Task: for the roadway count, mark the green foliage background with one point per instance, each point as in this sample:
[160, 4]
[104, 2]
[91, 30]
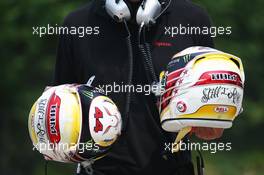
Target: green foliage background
[27, 63]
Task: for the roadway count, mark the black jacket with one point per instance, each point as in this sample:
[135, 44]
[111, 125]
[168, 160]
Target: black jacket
[140, 149]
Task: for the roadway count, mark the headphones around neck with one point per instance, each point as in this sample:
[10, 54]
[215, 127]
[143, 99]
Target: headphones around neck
[146, 14]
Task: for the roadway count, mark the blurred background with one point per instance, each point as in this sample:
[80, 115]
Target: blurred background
[27, 63]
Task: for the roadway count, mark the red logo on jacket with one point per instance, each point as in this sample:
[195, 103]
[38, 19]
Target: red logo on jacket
[162, 44]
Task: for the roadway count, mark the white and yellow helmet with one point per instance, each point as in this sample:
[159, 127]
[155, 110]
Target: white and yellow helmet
[73, 123]
[203, 87]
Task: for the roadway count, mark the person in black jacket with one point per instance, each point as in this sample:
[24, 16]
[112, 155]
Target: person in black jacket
[103, 53]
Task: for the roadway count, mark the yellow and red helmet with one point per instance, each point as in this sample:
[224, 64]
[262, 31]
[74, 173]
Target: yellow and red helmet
[203, 88]
[74, 123]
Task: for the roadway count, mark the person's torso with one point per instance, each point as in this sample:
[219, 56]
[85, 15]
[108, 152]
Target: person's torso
[105, 56]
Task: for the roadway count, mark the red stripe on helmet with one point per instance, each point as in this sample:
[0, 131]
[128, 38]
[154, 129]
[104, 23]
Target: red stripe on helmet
[52, 119]
[219, 77]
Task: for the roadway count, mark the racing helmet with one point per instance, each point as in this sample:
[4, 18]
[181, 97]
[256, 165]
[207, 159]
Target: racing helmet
[202, 87]
[74, 123]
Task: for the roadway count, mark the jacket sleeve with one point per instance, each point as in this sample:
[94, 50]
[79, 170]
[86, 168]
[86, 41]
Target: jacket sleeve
[204, 22]
[64, 67]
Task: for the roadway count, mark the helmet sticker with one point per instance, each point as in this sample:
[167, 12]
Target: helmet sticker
[98, 125]
[104, 121]
[40, 126]
[181, 106]
[221, 109]
[53, 113]
[224, 77]
[221, 91]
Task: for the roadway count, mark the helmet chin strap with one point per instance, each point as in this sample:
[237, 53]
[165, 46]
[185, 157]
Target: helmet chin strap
[181, 134]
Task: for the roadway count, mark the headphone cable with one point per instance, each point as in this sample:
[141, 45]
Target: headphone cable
[163, 10]
[144, 48]
[130, 75]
